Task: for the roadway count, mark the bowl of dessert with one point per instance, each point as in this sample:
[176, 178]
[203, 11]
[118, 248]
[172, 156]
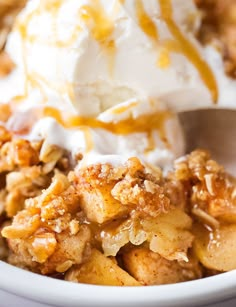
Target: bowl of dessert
[100, 202]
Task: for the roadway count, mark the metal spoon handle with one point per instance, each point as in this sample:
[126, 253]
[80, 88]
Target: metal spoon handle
[214, 130]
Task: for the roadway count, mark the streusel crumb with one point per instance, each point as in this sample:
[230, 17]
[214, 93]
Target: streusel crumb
[148, 228]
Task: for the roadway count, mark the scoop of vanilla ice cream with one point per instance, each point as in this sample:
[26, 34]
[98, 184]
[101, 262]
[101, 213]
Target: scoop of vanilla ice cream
[90, 55]
[113, 61]
[156, 139]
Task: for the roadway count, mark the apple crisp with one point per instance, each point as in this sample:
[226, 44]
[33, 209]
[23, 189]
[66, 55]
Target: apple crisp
[82, 223]
[149, 229]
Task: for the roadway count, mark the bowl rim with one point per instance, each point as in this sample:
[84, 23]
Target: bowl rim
[58, 292]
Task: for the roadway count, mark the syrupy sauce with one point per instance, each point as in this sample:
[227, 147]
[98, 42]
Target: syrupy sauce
[34, 80]
[122, 2]
[100, 24]
[141, 124]
[146, 124]
[188, 49]
[145, 22]
[101, 27]
[180, 44]
[66, 89]
[163, 60]
[151, 30]
[88, 138]
[151, 142]
[52, 7]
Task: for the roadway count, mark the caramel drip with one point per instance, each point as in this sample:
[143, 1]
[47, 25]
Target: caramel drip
[163, 60]
[143, 124]
[32, 79]
[35, 83]
[151, 139]
[71, 40]
[101, 27]
[52, 7]
[88, 139]
[22, 27]
[151, 143]
[150, 29]
[189, 50]
[145, 22]
[65, 89]
[102, 30]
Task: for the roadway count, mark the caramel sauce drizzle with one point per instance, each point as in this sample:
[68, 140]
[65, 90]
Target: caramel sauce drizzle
[147, 124]
[164, 58]
[141, 124]
[122, 2]
[151, 143]
[88, 139]
[66, 89]
[188, 49]
[179, 45]
[150, 29]
[52, 8]
[101, 27]
[145, 22]
[34, 79]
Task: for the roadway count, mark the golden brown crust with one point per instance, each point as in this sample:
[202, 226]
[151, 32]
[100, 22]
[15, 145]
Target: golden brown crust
[53, 218]
[41, 233]
[131, 218]
[211, 189]
[130, 187]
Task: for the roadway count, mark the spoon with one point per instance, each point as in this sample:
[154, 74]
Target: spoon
[213, 130]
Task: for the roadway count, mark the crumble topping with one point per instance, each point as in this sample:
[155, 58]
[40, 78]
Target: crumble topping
[146, 227]
[131, 220]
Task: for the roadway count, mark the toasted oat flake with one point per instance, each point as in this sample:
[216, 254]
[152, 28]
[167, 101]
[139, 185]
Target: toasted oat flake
[207, 218]
[209, 183]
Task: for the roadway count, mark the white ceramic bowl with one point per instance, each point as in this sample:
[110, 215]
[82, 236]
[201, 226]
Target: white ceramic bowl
[22, 288]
